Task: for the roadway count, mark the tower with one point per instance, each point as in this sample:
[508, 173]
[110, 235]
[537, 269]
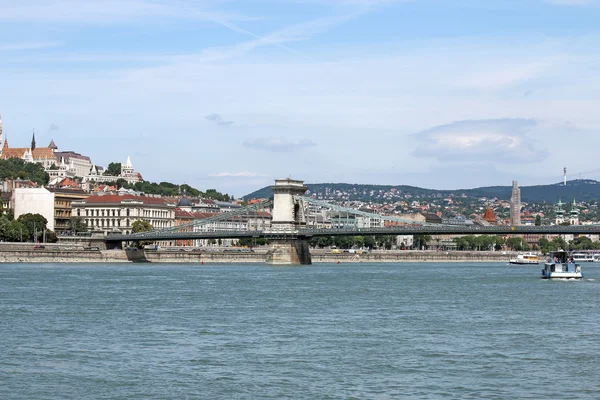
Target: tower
[515, 205]
[560, 213]
[565, 176]
[574, 214]
[0, 134]
[33, 141]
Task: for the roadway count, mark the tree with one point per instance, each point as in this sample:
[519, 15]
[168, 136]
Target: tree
[18, 168]
[16, 232]
[78, 225]
[122, 183]
[517, 244]
[35, 224]
[420, 241]
[141, 226]
[50, 237]
[114, 169]
[538, 220]
[4, 225]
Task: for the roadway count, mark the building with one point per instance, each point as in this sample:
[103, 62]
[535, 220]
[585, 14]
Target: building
[574, 214]
[560, 213]
[117, 213]
[63, 199]
[515, 205]
[77, 164]
[489, 217]
[127, 173]
[34, 201]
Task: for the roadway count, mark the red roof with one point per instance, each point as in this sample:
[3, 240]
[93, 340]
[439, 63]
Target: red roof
[115, 198]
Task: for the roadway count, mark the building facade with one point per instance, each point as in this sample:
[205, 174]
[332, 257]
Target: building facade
[117, 213]
[34, 201]
[63, 199]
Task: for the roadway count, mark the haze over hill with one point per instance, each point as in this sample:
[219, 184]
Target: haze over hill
[579, 189]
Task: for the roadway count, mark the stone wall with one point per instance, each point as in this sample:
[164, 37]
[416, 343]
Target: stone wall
[108, 256]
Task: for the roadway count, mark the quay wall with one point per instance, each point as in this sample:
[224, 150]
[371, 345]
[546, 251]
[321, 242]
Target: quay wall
[122, 256]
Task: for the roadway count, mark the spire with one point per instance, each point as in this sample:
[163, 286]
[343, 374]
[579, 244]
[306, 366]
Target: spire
[33, 141]
[5, 143]
[128, 163]
[0, 128]
[52, 145]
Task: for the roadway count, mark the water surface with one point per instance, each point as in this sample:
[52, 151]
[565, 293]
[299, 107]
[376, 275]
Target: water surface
[165, 331]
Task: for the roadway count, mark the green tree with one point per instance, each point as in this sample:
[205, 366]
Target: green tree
[499, 243]
[517, 244]
[16, 168]
[4, 225]
[420, 241]
[16, 232]
[35, 225]
[51, 237]
[538, 220]
[78, 225]
[114, 169]
[139, 226]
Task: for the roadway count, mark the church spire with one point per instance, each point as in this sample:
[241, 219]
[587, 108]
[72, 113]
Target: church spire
[33, 141]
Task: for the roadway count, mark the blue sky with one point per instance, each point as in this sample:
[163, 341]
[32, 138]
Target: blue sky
[231, 94]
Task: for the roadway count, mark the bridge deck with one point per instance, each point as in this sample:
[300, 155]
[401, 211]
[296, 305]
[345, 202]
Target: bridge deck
[398, 230]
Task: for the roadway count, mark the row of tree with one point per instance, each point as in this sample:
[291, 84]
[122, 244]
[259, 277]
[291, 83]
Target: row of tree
[26, 228]
[171, 189]
[15, 168]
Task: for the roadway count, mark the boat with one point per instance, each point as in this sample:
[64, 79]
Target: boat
[583, 257]
[561, 266]
[525, 259]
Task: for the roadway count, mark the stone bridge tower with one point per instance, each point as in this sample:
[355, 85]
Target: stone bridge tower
[289, 215]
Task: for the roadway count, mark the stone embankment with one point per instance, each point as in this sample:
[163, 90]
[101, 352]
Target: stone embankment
[57, 255]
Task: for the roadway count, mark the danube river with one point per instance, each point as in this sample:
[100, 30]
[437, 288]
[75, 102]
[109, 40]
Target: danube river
[364, 331]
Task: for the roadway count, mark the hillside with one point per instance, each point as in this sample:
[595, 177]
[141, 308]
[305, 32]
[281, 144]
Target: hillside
[580, 189]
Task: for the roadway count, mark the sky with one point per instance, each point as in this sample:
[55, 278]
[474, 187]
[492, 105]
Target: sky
[231, 94]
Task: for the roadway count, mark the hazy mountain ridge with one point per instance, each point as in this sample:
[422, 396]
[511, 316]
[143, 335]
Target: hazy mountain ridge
[580, 189]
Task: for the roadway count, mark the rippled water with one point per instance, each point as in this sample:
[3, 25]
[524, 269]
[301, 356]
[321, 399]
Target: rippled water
[464, 331]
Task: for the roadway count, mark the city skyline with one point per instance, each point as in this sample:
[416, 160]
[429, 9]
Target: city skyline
[230, 95]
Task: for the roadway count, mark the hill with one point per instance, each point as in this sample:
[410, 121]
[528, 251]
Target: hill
[580, 189]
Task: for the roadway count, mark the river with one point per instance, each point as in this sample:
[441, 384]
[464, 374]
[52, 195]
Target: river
[363, 331]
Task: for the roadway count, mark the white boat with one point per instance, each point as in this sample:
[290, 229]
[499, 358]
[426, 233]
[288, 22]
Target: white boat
[525, 259]
[561, 266]
[583, 257]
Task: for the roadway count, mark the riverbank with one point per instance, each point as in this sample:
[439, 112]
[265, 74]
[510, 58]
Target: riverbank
[121, 256]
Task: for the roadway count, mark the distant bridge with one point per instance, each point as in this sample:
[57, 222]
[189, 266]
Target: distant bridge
[434, 229]
[291, 218]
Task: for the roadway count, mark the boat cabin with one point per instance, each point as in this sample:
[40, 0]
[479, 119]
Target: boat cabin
[561, 265]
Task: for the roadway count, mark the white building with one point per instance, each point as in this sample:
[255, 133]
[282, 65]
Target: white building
[34, 201]
[127, 173]
[117, 213]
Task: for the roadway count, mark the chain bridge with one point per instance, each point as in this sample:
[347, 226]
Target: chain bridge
[290, 219]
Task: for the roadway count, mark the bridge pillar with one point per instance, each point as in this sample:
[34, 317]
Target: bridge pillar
[289, 252]
[289, 214]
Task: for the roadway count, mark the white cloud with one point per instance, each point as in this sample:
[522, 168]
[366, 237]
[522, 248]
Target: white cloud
[501, 140]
